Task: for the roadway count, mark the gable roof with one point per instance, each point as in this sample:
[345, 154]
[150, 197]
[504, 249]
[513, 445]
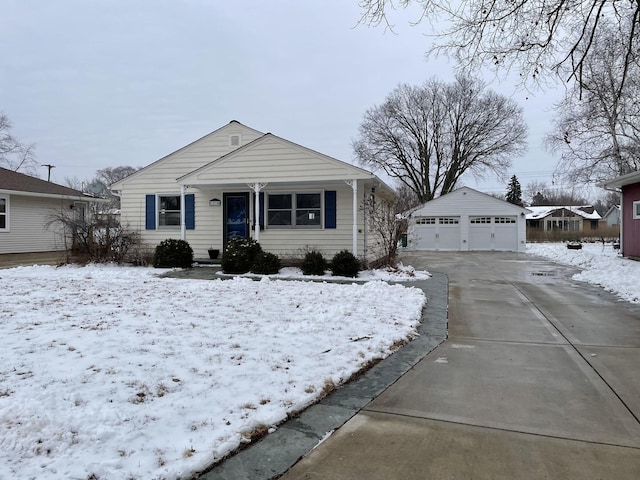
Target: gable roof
[19, 182]
[117, 185]
[213, 168]
[473, 195]
[622, 181]
[614, 209]
[585, 211]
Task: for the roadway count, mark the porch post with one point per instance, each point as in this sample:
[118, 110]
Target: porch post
[354, 187]
[183, 216]
[256, 209]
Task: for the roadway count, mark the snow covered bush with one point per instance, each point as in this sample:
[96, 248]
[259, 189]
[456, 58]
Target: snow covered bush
[239, 255]
[314, 263]
[266, 263]
[345, 264]
[172, 253]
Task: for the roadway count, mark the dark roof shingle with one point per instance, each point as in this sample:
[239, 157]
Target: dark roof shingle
[10, 180]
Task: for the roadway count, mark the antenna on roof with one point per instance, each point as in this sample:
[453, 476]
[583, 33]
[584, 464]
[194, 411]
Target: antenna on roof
[49, 166]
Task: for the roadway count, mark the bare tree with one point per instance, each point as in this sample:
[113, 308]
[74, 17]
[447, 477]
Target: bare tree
[15, 155]
[535, 37]
[430, 135]
[597, 126]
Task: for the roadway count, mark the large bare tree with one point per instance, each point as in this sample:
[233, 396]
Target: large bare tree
[428, 136]
[15, 155]
[535, 37]
[597, 126]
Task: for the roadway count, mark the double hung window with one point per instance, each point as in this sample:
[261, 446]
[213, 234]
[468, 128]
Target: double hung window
[294, 210]
[4, 214]
[168, 210]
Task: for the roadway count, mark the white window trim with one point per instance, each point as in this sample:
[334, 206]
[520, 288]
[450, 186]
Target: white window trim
[7, 214]
[636, 210]
[293, 226]
[166, 227]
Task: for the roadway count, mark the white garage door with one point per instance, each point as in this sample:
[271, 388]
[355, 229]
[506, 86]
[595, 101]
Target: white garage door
[493, 233]
[436, 233]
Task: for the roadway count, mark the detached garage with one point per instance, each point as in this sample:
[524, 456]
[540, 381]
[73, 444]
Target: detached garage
[466, 219]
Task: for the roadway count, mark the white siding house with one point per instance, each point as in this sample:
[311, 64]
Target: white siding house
[27, 205]
[303, 199]
[467, 220]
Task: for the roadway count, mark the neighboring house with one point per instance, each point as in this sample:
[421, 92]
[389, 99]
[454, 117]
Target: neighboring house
[27, 206]
[466, 219]
[210, 190]
[612, 217]
[583, 218]
[629, 187]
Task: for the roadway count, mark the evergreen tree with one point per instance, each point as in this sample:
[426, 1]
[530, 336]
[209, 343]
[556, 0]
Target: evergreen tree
[514, 192]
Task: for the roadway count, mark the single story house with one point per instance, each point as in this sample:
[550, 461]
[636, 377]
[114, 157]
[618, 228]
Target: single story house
[583, 218]
[467, 219]
[612, 217]
[27, 206]
[239, 182]
[629, 187]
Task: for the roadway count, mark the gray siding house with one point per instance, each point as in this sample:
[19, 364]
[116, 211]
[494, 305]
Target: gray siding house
[27, 205]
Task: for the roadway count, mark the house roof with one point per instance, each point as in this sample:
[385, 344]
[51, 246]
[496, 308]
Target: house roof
[210, 168]
[623, 180]
[19, 182]
[585, 211]
[613, 209]
[117, 185]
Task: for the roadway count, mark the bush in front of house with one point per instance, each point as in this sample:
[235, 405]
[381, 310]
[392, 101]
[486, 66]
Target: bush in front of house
[172, 253]
[239, 255]
[314, 263]
[266, 263]
[345, 264]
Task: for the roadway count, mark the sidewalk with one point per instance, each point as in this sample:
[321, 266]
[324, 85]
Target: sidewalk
[274, 454]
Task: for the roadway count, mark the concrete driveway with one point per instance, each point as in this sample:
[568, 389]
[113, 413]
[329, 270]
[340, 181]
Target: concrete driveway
[539, 378]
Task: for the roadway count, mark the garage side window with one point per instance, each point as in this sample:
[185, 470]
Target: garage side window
[4, 214]
[636, 210]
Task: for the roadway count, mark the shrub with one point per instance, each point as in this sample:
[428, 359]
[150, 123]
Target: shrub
[314, 263]
[173, 253]
[239, 255]
[266, 263]
[345, 264]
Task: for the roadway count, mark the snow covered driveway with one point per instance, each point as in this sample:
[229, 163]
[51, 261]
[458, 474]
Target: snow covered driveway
[113, 373]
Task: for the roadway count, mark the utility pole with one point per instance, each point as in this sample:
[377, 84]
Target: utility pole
[49, 166]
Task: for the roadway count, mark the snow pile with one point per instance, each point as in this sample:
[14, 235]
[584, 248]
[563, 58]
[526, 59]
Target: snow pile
[600, 266]
[400, 273]
[111, 372]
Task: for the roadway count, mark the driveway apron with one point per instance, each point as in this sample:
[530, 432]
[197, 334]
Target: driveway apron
[539, 378]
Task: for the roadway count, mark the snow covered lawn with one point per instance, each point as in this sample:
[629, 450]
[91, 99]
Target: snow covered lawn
[600, 266]
[113, 373]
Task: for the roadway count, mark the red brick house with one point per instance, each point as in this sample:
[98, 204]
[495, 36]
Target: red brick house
[629, 188]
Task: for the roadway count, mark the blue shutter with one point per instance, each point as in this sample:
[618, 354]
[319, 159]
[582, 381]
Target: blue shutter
[261, 216]
[190, 211]
[150, 212]
[330, 209]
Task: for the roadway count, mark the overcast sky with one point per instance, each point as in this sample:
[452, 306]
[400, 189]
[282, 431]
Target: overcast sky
[105, 83]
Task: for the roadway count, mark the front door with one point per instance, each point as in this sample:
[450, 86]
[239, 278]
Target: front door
[236, 215]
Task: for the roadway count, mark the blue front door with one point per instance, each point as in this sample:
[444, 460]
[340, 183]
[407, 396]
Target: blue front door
[236, 215]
